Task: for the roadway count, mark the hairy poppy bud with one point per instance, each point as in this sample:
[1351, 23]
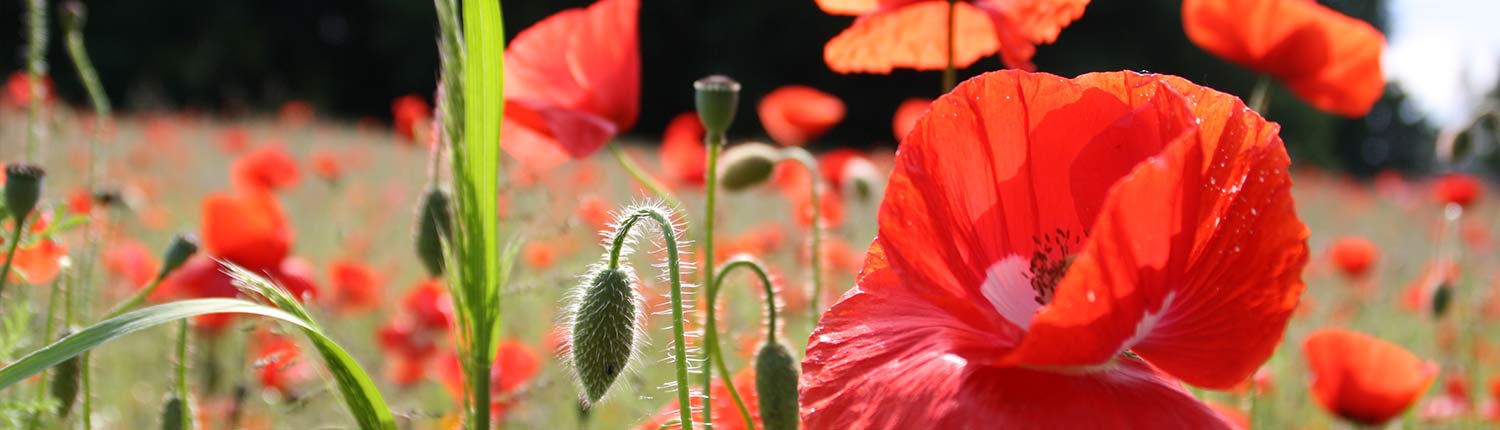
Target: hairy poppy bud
[434, 226]
[183, 246]
[862, 180]
[174, 414]
[717, 98]
[65, 382]
[747, 165]
[776, 385]
[1442, 296]
[23, 187]
[606, 321]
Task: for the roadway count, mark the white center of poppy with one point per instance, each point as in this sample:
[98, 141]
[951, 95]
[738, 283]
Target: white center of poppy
[1007, 285]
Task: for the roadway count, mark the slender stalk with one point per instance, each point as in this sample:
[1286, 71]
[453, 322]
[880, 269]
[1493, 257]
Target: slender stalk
[135, 299]
[10, 253]
[715, 143]
[950, 73]
[641, 176]
[712, 336]
[811, 164]
[48, 326]
[182, 383]
[674, 275]
[1260, 97]
[36, 69]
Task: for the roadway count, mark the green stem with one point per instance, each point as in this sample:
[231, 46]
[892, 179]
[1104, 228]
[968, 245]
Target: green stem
[1260, 97]
[135, 299]
[10, 253]
[712, 335]
[36, 67]
[182, 382]
[674, 275]
[48, 326]
[715, 143]
[816, 183]
[641, 176]
[950, 78]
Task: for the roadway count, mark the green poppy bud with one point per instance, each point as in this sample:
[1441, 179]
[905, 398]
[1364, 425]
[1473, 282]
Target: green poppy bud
[66, 379]
[183, 246]
[23, 187]
[1441, 298]
[747, 165]
[606, 329]
[434, 227]
[174, 415]
[717, 98]
[776, 385]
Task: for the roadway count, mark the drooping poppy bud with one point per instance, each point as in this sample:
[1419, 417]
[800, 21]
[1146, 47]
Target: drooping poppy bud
[434, 226]
[23, 187]
[1442, 296]
[174, 414]
[606, 322]
[183, 246]
[776, 384]
[717, 98]
[65, 383]
[747, 165]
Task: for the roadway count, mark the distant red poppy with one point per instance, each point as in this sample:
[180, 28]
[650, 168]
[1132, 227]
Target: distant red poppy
[18, 89]
[1491, 410]
[409, 113]
[593, 210]
[279, 363]
[573, 81]
[906, 116]
[1057, 253]
[326, 164]
[356, 287]
[38, 263]
[249, 229]
[1327, 58]
[234, 140]
[832, 163]
[1451, 404]
[913, 34]
[683, 157]
[516, 365]
[268, 167]
[539, 254]
[796, 114]
[1353, 256]
[81, 201]
[130, 260]
[726, 414]
[1457, 188]
[1417, 297]
[296, 114]
[1363, 379]
[429, 305]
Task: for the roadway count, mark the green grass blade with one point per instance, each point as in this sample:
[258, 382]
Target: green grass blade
[364, 401]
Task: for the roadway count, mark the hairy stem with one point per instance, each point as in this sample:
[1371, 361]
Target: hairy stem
[816, 231]
[674, 275]
[10, 253]
[642, 176]
[182, 384]
[712, 335]
[715, 143]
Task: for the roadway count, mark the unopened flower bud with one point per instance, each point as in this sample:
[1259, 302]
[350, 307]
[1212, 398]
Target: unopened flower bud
[65, 383]
[174, 414]
[717, 98]
[183, 246]
[747, 165]
[776, 385]
[434, 227]
[862, 180]
[23, 187]
[606, 329]
[1442, 296]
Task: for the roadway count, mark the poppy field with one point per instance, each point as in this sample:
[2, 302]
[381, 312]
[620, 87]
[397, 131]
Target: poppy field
[1111, 250]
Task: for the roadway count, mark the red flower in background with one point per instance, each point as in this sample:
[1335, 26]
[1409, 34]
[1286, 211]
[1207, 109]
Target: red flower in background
[1457, 188]
[573, 81]
[268, 168]
[234, 140]
[326, 164]
[683, 157]
[1363, 379]
[1328, 59]
[247, 228]
[795, 114]
[907, 114]
[1451, 404]
[132, 261]
[296, 114]
[200, 277]
[913, 34]
[297, 276]
[356, 287]
[1029, 240]
[726, 413]
[594, 210]
[1491, 410]
[832, 163]
[38, 263]
[18, 89]
[279, 364]
[516, 364]
[408, 113]
[411, 337]
[1354, 256]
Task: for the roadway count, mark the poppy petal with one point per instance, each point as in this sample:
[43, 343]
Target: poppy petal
[682, 153]
[796, 114]
[912, 36]
[249, 229]
[1020, 25]
[1362, 378]
[544, 137]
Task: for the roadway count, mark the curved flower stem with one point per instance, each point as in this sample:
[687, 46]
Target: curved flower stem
[36, 69]
[674, 274]
[135, 299]
[712, 335]
[950, 78]
[1260, 97]
[10, 253]
[811, 164]
[641, 176]
[715, 143]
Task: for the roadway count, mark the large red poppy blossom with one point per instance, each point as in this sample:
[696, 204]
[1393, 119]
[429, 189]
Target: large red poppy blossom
[1363, 379]
[913, 34]
[1327, 58]
[1057, 253]
[796, 114]
[269, 167]
[683, 157]
[247, 228]
[1353, 256]
[572, 82]
[1458, 189]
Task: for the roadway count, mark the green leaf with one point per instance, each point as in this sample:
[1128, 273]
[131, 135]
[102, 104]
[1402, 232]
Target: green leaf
[364, 401]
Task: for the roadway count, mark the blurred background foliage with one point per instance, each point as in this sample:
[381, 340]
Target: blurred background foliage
[350, 58]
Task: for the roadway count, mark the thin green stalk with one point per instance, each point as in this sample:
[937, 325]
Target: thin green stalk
[674, 275]
[1260, 97]
[48, 326]
[36, 68]
[712, 336]
[811, 164]
[88, 385]
[182, 381]
[10, 253]
[641, 176]
[135, 299]
[950, 73]
[710, 189]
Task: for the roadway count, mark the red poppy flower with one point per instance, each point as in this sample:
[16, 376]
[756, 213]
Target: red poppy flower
[356, 287]
[1453, 403]
[429, 305]
[539, 254]
[248, 228]
[516, 364]
[593, 210]
[795, 114]
[1363, 379]
[297, 276]
[1147, 235]
[234, 140]
[409, 112]
[726, 413]
[296, 114]
[1354, 256]
[683, 156]
[18, 89]
[269, 167]
[132, 261]
[906, 115]
[1457, 188]
[1328, 59]
[39, 262]
[200, 277]
[80, 201]
[573, 81]
[913, 34]
[326, 164]
[279, 363]
[402, 337]
[1492, 408]
[832, 163]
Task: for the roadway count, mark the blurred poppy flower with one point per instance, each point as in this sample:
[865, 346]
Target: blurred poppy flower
[683, 157]
[1353, 256]
[1457, 188]
[200, 277]
[234, 139]
[268, 168]
[539, 254]
[80, 202]
[726, 414]
[1058, 254]
[573, 81]
[296, 114]
[247, 228]
[1491, 410]
[39, 262]
[409, 112]
[18, 89]
[516, 365]
[1330, 60]
[130, 260]
[279, 363]
[1417, 297]
[297, 276]
[1363, 379]
[1451, 404]
[593, 210]
[913, 34]
[429, 305]
[326, 164]
[906, 116]
[831, 165]
[356, 287]
[796, 114]
[1232, 416]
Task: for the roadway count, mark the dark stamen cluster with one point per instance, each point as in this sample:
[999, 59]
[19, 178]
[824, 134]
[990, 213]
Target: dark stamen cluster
[1050, 261]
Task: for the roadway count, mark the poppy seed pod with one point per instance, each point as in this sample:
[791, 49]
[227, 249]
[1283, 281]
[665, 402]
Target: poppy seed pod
[605, 325]
[717, 97]
[434, 226]
[23, 187]
[747, 165]
[776, 385]
[183, 246]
